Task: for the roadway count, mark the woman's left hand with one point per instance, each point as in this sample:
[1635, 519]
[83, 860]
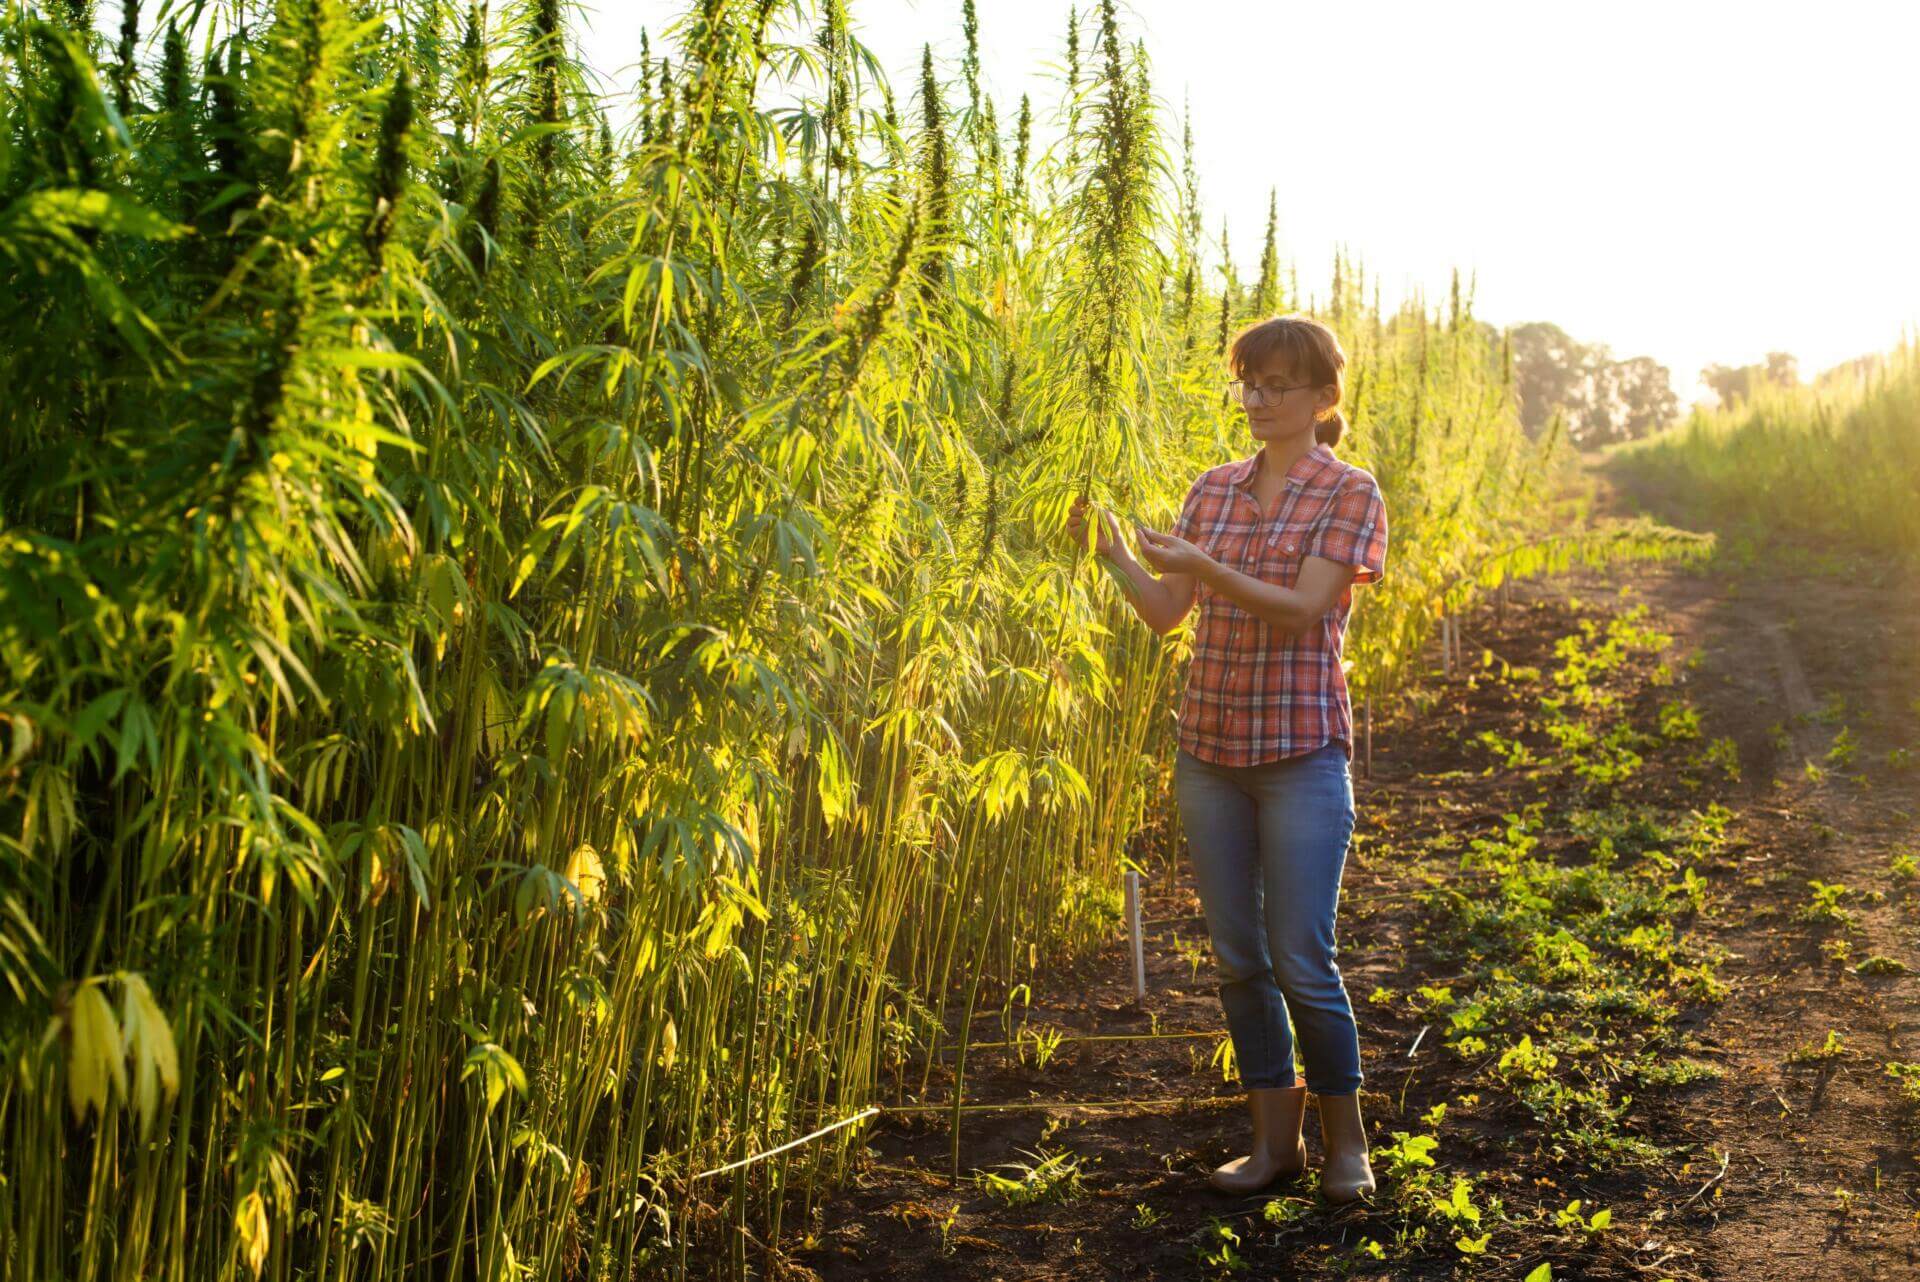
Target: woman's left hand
[1171, 554]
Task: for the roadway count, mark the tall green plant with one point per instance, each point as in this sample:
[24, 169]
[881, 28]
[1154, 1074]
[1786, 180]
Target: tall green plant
[536, 667]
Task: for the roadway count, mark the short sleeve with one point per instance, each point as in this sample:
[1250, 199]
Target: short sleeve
[1354, 530]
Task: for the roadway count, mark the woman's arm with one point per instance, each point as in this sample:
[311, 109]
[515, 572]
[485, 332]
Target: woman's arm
[1160, 601]
[1292, 610]
[1348, 546]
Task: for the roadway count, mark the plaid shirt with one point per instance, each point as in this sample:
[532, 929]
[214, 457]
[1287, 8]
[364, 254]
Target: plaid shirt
[1253, 693]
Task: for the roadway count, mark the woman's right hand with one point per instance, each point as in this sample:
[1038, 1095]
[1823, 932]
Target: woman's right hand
[1106, 539]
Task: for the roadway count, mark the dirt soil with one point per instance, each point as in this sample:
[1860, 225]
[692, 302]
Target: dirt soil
[1819, 1178]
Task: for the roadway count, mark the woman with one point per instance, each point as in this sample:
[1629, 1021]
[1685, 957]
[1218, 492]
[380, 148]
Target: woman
[1269, 546]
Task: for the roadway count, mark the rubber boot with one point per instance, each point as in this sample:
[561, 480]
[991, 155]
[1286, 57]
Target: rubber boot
[1347, 1175]
[1278, 1148]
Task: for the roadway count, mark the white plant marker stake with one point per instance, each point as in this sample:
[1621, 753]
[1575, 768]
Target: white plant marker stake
[1133, 928]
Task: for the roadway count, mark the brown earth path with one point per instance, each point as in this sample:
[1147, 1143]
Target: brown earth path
[1819, 1179]
[1800, 651]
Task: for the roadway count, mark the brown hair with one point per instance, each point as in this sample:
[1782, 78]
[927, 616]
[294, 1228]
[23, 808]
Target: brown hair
[1306, 350]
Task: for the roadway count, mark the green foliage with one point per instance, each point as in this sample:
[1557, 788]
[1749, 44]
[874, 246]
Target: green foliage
[1571, 1217]
[549, 652]
[1408, 1153]
[1908, 1075]
[1049, 1177]
[1564, 953]
[1834, 1047]
[1217, 1249]
[1833, 466]
[1825, 904]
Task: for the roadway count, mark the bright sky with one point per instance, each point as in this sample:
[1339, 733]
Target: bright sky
[1693, 181]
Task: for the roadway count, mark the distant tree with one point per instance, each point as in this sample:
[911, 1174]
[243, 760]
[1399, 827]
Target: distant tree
[1731, 383]
[1601, 399]
[1644, 393]
[1736, 383]
[1549, 368]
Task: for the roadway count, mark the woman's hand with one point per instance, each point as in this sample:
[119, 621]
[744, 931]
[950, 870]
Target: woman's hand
[1171, 554]
[1106, 537]
[1160, 602]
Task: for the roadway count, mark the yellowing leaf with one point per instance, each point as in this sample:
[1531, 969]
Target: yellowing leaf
[250, 1225]
[587, 873]
[95, 1053]
[835, 781]
[149, 1039]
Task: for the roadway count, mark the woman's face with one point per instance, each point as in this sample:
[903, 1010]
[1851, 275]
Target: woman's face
[1283, 415]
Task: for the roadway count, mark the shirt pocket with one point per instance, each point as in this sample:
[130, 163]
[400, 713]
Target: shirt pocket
[1282, 549]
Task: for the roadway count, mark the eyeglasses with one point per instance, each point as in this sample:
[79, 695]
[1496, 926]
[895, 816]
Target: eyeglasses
[1249, 394]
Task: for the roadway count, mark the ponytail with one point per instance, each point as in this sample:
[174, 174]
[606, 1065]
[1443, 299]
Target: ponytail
[1327, 431]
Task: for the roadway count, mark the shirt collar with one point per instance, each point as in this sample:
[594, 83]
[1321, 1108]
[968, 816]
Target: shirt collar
[1304, 468]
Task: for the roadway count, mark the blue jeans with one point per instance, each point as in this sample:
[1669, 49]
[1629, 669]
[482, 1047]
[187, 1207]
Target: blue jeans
[1268, 844]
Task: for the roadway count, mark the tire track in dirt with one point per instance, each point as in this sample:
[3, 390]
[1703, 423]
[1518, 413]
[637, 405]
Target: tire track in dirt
[1821, 1180]
[1821, 1144]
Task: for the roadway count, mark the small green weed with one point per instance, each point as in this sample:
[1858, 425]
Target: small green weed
[1679, 720]
[1050, 1177]
[1218, 1248]
[1834, 1047]
[1511, 752]
[1724, 753]
[1571, 1218]
[1407, 1155]
[1194, 952]
[1282, 1211]
[1908, 1075]
[1824, 906]
[1841, 751]
[1044, 1045]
